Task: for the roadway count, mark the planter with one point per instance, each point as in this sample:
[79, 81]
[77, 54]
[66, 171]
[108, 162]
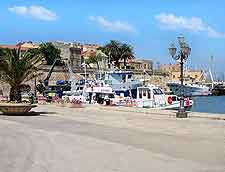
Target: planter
[16, 109]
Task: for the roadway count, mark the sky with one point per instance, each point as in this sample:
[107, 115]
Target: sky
[149, 26]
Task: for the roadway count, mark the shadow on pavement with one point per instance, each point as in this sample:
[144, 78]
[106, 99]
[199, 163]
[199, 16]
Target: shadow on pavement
[32, 113]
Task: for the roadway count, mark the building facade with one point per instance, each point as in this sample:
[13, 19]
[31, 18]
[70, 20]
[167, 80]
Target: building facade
[168, 68]
[190, 76]
[75, 52]
[23, 46]
[139, 65]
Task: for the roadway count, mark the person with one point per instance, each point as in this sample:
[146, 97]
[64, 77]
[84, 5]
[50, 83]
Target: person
[90, 97]
[60, 92]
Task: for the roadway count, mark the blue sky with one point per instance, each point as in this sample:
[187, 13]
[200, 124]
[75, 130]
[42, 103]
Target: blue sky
[150, 26]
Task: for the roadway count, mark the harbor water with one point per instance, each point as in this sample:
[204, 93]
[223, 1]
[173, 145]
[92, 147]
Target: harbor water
[209, 104]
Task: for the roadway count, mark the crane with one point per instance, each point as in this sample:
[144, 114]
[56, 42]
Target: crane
[46, 80]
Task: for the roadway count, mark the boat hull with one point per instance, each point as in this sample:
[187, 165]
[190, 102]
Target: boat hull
[189, 90]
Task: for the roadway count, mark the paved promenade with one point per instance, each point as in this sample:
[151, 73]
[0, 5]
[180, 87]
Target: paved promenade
[97, 139]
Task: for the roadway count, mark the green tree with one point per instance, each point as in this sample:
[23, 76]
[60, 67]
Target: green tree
[50, 52]
[117, 51]
[99, 57]
[112, 51]
[18, 67]
[126, 53]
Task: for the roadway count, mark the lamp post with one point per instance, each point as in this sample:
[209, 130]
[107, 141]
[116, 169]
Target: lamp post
[181, 57]
[35, 88]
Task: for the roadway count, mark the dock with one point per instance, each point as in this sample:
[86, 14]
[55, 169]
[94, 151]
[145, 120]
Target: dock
[122, 139]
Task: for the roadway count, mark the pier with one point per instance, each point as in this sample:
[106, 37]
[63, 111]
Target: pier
[99, 138]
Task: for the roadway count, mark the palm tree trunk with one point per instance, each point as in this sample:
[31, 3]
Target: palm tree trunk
[15, 94]
[117, 63]
[97, 66]
[125, 62]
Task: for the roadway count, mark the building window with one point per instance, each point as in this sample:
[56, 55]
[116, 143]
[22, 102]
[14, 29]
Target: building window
[145, 66]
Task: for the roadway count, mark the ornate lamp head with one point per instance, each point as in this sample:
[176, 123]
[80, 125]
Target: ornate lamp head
[181, 39]
[172, 50]
[186, 50]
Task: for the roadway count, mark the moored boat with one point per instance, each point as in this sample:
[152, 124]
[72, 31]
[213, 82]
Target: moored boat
[189, 90]
[219, 90]
[152, 96]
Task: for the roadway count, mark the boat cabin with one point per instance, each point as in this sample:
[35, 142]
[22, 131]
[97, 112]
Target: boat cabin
[99, 94]
[150, 96]
[122, 82]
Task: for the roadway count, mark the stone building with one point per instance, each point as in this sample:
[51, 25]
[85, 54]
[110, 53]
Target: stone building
[190, 76]
[74, 51]
[168, 68]
[71, 52]
[139, 65]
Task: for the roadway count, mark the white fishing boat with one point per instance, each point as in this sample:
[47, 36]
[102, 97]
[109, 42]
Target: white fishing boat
[122, 82]
[152, 96]
[192, 89]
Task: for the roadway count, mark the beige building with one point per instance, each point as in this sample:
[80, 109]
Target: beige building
[23, 46]
[168, 68]
[90, 47]
[137, 64]
[190, 76]
[28, 45]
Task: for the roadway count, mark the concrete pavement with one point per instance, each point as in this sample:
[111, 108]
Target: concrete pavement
[95, 140]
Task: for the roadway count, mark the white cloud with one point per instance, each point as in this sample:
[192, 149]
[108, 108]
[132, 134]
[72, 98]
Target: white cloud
[195, 24]
[36, 12]
[114, 26]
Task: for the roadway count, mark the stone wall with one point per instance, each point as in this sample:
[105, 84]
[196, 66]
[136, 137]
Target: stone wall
[4, 88]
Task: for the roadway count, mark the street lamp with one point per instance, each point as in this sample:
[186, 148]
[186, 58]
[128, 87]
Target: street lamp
[181, 57]
[84, 65]
[35, 88]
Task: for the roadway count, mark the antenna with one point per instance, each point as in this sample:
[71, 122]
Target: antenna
[211, 76]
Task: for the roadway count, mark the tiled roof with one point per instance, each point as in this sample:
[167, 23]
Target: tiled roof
[90, 53]
[14, 47]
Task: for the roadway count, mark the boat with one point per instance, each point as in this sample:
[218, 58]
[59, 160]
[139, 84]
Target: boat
[122, 83]
[100, 94]
[151, 96]
[189, 90]
[219, 89]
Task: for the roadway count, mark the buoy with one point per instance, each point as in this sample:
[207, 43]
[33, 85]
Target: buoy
[170, 100]
[187, 102]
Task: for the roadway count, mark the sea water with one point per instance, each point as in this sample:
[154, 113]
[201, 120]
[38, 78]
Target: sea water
[209, 104]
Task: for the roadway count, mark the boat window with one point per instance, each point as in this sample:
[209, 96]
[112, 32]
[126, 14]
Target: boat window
[149, 94]
[124, 78]
[174, 98]
[111, 96]
[144, 94]
[157, 91]
[129, 76]
[140, 95]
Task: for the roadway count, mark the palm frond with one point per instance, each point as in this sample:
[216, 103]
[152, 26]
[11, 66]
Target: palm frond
[17, 66]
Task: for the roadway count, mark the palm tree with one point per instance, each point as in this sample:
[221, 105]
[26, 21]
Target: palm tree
[126, 53]
[50, 52]
[112, 51]
[17, 68]
[99, 57]
[117, 51]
